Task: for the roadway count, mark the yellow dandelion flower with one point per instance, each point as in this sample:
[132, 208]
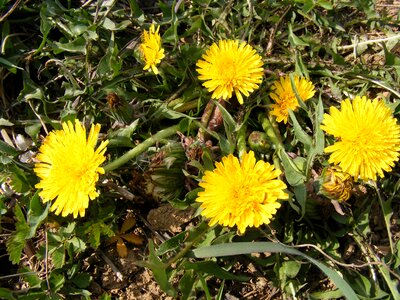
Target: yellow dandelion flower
[368, 137]
[285, 98]
[230, 67]
[151, 48]
[337, 185]
[68, 168]
[241, 193]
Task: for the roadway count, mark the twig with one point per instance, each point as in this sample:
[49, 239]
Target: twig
[334, 260]
[111, 264]
[10, 10]
[38, 116]
[275, 240]
[123, 192]
[46, 258]
[176, 8]
[347, 47]
[272, 34]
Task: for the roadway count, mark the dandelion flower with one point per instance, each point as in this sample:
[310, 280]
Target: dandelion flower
[337, 185]
[151, 48]
[368, 137]
[68, 168]
[285, 98]
[230, 67]
[241, 193]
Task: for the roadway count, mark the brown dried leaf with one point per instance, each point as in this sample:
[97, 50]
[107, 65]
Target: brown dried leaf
[121, 248]
[112, 240]
[128, 224]
[133, 238]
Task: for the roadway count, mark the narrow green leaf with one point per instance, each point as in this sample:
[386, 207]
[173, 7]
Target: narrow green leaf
[293, 39]
[159, 270]
[319, 137]
[229, 122]
[327, 295]
[5, 122]
[300, 194]
[136, 11]
[296, 92]
[212, 268]
[186, 283]
[230, 249]
[8, 64]
[293, 175]
[300, 134]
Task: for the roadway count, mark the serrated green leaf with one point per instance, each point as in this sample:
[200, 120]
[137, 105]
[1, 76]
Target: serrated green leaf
[289, 269]
[30, 277]
[16, 243]
[7, 149]
[56, 281]
[19, 180]
[76, 46]
[38, 296]
[58, 256]
[159, 270]
[82, 280]
[171, 244]
[105, 296]
[6, 294]
[77, 244]
[37, 213]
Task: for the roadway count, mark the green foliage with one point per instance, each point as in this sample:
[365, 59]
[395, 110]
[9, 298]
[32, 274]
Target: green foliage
[62, 60]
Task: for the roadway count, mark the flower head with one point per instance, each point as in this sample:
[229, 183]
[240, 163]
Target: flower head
[151, 48]
[285, 98]
[68, 168]
[368, 137]
[241, 193]
[336, 185]
[230, 67]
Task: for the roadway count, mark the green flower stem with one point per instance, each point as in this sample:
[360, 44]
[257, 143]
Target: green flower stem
[269, 129]
[384, 212]
[241, 140]
[205, 118]
[183, 107]
[162, 134]
[275, 138]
